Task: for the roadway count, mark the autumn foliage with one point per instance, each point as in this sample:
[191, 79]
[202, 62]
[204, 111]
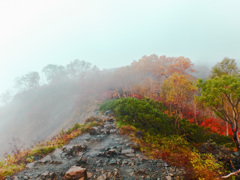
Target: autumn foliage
[161, 139]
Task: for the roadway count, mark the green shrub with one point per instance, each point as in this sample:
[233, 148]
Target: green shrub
[148, 115]
[198, 134]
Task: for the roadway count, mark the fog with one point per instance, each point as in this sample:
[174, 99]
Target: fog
[112, 34]
[104, 33]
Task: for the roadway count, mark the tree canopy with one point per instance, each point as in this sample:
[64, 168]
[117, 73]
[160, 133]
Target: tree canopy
[28, 81]
[225, 67]
[222, 95]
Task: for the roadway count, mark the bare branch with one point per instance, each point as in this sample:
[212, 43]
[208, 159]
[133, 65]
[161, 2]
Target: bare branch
[231, 174]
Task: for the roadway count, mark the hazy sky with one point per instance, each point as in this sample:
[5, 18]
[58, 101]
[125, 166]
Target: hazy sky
[111, 33]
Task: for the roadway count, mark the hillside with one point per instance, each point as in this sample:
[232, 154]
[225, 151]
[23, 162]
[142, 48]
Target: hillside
[41, 113]
[101, 154]
[190, 124]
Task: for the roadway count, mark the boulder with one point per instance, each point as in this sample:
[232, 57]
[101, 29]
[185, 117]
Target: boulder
[76, 172]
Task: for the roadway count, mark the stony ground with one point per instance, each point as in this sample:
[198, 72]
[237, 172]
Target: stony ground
[101, 154]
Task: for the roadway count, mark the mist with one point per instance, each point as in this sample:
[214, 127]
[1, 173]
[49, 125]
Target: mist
[45, 88]
[111, 35]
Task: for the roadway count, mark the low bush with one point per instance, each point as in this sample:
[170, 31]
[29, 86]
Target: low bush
[162, 139]
[148, 115]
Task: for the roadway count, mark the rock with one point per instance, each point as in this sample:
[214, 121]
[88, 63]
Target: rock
[89, 175]
[131, 173]
[76, 172]
[94, 131]
[139, 134]
[57, 153]
[110, 120]
[129, 144]
[131, 164]
[171, 170]
[81, 161]
[99, 162]
[168, 178]
[108, 112]
[30, 165]
[127, 151]
[55, 162]
[108, 126]
[113, 162]
[135, 147]
[109, 175]
[46, 159]
[115, 173]
[25, 177]
[164, 164]
[124, 161]
[74, 150]
[112, 152]
[112, 131]
[130, 155]
[118, 161]
[236, 153]
[102, 177]
[15, 178]
[141, 172]
[47, 175]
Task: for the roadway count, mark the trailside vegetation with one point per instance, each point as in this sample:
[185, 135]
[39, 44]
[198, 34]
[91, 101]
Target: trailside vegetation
[18, 161]
[162, 139]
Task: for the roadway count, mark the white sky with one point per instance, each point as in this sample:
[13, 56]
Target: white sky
[113, 33]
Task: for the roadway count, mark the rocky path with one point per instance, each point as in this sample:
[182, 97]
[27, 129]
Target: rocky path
[101, 154]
